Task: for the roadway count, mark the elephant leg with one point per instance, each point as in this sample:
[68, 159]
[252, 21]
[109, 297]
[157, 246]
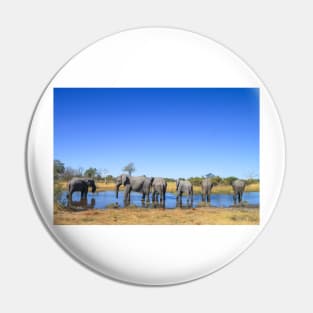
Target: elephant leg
[163, 203]
[240, 197]
[209, 197]
[143, 197]
[127, 194]
[128, 198]
[178, 198]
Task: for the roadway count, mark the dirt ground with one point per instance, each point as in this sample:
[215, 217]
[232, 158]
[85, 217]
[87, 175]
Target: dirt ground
[139, 216]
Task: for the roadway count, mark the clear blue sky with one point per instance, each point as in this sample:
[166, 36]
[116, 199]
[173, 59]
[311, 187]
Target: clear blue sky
[169, 132]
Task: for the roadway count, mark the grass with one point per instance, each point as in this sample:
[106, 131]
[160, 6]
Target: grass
[136, 216]
[171, 187]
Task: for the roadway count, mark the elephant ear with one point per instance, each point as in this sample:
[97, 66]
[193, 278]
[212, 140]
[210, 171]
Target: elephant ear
[177, 183]
[85, 182]
[152, 179]
[89, 182]
[125, 179]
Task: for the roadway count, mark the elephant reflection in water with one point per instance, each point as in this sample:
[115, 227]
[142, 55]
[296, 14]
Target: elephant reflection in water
[82, 204]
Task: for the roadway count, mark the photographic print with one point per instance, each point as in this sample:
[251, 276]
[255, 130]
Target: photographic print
[156, 156]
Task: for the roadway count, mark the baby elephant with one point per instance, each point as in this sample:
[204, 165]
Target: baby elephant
[81, 184]
[206, 188]
[159, 186]
[238, 188]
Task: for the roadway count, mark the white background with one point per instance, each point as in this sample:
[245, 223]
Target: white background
[37, 37]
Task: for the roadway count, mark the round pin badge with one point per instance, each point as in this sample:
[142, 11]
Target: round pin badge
[155, 156]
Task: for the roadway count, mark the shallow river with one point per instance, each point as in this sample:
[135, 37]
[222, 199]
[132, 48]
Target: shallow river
[103, 199]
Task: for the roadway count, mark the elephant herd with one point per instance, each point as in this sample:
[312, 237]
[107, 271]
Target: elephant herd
[157, 187]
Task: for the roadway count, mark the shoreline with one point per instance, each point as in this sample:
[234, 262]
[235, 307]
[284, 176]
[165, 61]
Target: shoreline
[157, 216]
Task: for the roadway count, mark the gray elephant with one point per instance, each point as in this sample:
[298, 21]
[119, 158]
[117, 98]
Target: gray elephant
[140, 184]
[206, 188]
[184, 186]
[159, 186]
[238, 188]
[82, 185]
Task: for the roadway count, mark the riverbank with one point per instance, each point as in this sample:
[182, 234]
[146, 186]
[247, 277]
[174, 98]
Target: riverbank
[137, 216]
[171, 187]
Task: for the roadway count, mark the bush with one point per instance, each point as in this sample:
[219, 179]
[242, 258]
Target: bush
[57, 189]
[229, 180]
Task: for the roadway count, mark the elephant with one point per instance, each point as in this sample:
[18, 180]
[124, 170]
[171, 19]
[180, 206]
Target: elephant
[140, 184]
[184, 186]
[81, 184]
[159, 186]
[206, 188]
[82, 204]
[238, 188]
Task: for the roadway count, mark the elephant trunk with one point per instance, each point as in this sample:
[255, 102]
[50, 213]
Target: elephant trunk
[94, 188]
[116, 190]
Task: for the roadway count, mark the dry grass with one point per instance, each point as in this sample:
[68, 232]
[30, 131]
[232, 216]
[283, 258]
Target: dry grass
[136, 216]
[171, 187]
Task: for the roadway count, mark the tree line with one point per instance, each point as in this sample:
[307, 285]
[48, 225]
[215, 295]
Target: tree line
[62, 172]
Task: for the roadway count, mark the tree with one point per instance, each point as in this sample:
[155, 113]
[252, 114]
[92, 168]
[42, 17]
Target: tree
[252, 177]
[210, 175]
[196, 181]
[216, 180]
[101, 174]
[229, 180]
[80, 171]
[58, 169]
[69, 173]
[109, 179]
[168, 179]
[129, 168]
[90, 172]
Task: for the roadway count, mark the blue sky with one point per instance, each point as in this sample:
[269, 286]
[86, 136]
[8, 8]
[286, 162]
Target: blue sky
[169, 132]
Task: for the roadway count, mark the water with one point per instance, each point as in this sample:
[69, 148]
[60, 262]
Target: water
[103, 199]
